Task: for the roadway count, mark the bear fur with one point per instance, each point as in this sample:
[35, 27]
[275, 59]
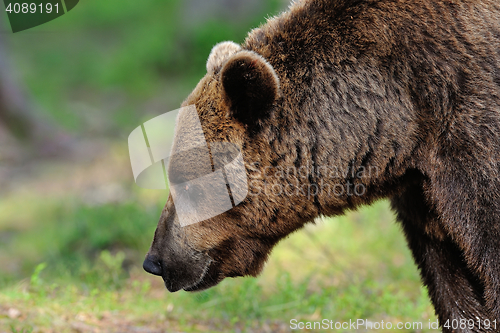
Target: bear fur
[406, 89]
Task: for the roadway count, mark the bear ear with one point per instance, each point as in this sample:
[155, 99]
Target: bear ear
[219, 54]
[250, 86]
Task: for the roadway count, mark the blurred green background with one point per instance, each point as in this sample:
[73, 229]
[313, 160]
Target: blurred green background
[74, 228]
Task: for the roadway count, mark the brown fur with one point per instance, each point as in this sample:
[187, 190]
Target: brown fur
[409, 89]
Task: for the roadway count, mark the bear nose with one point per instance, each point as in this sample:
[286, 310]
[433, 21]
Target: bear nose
[152, 265]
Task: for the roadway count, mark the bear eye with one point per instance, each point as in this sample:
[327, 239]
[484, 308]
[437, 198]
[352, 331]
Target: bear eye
[195, 193]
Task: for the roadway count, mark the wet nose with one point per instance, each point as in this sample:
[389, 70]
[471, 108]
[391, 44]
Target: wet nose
[152, 265]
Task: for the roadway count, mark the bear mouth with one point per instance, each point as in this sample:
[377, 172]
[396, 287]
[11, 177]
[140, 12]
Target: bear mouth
[211, 277]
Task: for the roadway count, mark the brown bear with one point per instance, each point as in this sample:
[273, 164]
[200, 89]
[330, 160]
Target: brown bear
[344, 102]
